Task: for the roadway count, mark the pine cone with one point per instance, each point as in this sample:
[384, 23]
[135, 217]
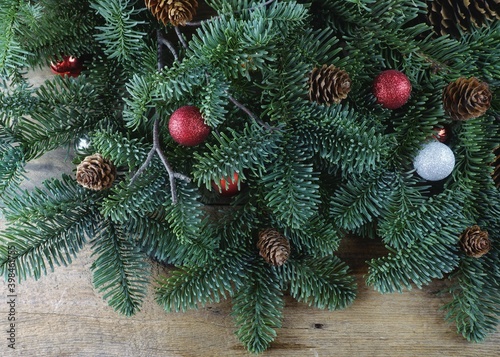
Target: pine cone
[177, 12]
[273, 246]
[328, 85]
[95, 173]
[466, 98]
[475, 242]
[496, 165]
[448, 16]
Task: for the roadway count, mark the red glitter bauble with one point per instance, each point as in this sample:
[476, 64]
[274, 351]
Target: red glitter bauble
[392, 89]
[187, 127]
[441, 134]
[69, 66]
[228, 187]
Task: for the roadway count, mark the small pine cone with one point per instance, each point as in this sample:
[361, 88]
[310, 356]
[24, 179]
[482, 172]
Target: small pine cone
[159, 9]
[181, 11]
[273, 246]
[328, 84]
[448, 16]
[95, 172]
[475, 242]
[177, 12]
[466, 98]
[496, 167]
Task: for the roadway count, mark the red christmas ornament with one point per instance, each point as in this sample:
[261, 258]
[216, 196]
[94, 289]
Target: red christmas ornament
[392, 89]
[69, 66]
[187, 127]
[441, 134]
[228, 188]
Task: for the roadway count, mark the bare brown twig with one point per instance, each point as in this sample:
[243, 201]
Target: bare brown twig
[158, 150]
[181, 37]
[162, 41]
[249, 113]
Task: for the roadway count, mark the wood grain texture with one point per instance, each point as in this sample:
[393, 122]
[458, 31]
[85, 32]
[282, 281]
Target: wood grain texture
[62, 315]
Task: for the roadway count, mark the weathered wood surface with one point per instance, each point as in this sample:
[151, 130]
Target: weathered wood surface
[62, 315]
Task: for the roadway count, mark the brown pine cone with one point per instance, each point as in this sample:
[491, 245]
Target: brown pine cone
[159, 9]
[328, 84]
[496, 164]
[181, 11]
[177, 12]
[475, 242]
[448, 16]
[466, 98]
[95, 172]
[273, 246]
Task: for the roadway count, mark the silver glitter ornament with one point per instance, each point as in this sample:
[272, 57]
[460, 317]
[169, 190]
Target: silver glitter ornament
[434, 162]
[82, 145]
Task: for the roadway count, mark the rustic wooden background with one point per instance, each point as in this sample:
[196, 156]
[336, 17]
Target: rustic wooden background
[62, 315]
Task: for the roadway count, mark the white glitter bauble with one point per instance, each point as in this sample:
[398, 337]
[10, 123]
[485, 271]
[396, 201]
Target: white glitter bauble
[434, 162]
[82, 144]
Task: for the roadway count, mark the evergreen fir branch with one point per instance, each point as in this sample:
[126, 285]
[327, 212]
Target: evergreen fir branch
[109, 78]
[185, 217]
[153, 235]
[180, 80]
[400, 226]
[257, 308]
[484, 44]
[233, 226]
[490, 209]
[189, 287]
[318, 237]
[53, 198]
[287, 15]
[48, 226]
[417, 264]
[213, 100]
[475, 304]
[11, 167]
[139, 102]
[225, 41]
[120, 36]
[446, 56]
[472, 172]
[250, 149]
[30, 14]
[12, 55]
[359, 201]
[423, 113]
[120, 150]
[235, 6]
[16, 101]
[66, 107]
[433, 250]
[126, 202]
[473, 157]
[62, 28]
[350, 142]
[291, 187]
[376, 14]
[322, 282]
[320, 47]
[284, 86]
[119, 271]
